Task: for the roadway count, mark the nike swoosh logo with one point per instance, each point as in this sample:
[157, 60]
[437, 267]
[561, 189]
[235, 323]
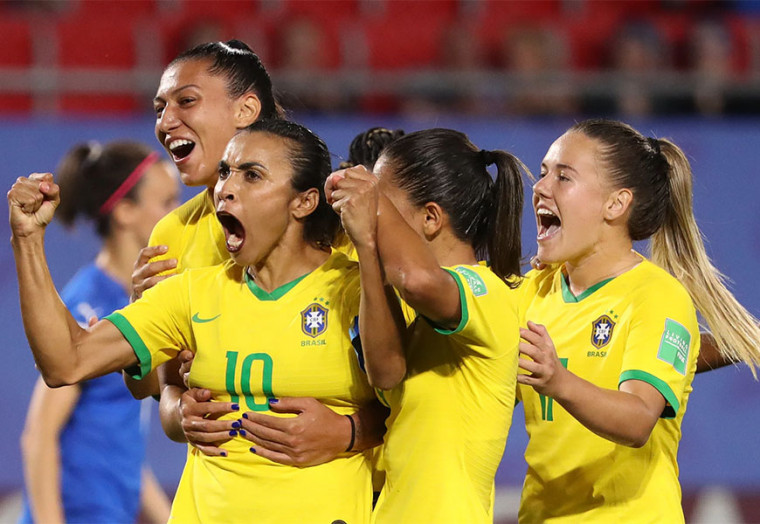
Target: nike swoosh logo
[200, 320]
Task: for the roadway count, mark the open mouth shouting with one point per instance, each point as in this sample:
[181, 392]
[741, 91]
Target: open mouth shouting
[180, 148]
[234, 232]
[548, 223]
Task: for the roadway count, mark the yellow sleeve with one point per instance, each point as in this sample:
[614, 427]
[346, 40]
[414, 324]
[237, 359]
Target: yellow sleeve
[485, 300]
[165, 233]
[662, 346]
[158, 325]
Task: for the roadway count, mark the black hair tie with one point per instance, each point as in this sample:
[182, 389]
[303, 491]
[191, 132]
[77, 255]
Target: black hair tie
[487, 157]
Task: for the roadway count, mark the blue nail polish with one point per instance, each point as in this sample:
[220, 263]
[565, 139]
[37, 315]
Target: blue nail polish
[235, 407]
[245, 415]
[242, 432]
[233, 433]
[224, 453]
[273, 401]
[236, 424]
[253, 450]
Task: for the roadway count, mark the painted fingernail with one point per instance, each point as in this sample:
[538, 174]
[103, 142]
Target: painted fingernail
[235, 407]
[245, 415]
[253, 450]
[233, 433]
[223, 453]
[242, 432]
[236, 424]
[273, 401]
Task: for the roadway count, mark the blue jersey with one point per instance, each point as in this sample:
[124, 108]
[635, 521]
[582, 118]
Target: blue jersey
[102, 444]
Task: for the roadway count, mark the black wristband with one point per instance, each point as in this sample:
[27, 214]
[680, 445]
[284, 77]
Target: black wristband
[353, 432]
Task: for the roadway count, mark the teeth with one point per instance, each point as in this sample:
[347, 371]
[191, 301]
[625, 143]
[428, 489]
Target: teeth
[545, 212]
[234, 242]
[174, 144]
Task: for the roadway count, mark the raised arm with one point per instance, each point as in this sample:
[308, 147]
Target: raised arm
[65, 353]
[414, 270]
[354, 196]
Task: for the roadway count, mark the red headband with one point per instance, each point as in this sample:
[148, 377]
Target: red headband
[133, 178]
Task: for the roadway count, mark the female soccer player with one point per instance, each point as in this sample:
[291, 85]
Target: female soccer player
[206, 95]
[77, 468]
[612, 339]
[273, 321]
[451, 392]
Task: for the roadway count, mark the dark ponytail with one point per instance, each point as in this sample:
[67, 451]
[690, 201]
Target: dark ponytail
[504, 222]
[90, 173]
[443, 166]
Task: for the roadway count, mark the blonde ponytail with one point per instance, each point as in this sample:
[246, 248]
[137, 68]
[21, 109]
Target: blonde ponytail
[679, 248]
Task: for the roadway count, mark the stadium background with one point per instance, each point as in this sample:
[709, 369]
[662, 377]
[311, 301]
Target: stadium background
[513, 75]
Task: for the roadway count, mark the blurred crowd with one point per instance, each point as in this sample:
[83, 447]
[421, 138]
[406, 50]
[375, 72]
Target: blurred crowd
[482, 57]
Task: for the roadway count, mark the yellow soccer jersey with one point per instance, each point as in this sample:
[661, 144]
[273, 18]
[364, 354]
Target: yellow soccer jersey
[450, 416]
[640, 325]
[192, 233]
[249, 346]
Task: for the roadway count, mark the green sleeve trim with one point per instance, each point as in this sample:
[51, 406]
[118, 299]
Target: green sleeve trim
[143, 367]
[659, 384]
[463, 304]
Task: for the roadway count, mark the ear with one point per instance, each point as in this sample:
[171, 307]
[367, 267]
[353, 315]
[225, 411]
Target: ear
[247, 111]
[305, 203]
[433, 220]
[125, 213]
[618, 204]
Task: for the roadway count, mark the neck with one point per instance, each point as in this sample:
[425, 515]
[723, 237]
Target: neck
[601, 264]
[117, 257]
[285, 263]
[450, 251]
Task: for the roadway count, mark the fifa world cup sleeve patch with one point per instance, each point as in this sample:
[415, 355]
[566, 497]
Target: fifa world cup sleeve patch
[674, 345]
[474, 281]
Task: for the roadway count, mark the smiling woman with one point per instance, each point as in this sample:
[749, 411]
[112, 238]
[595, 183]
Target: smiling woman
[245, 320]
[612, 339]
[205, 96]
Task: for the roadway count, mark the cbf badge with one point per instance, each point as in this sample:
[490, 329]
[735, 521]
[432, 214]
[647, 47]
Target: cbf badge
[314, 320]
[601, 331]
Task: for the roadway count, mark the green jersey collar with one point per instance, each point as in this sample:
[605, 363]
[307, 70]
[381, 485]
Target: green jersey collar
[568, 296]
[276, 293]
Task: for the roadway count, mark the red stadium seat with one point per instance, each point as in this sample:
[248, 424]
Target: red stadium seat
[16, 48]
[97, 43]
[401, 41]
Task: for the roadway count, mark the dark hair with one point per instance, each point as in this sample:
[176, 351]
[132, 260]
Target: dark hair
[443, 166]
[241, 67]
[637, 163]
[90, 173]
[310, 159]
[366, 147]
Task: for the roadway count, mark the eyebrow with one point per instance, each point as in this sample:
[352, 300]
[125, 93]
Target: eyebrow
[562, 166]
[248, 165]
[176, 90]
[245, 166]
